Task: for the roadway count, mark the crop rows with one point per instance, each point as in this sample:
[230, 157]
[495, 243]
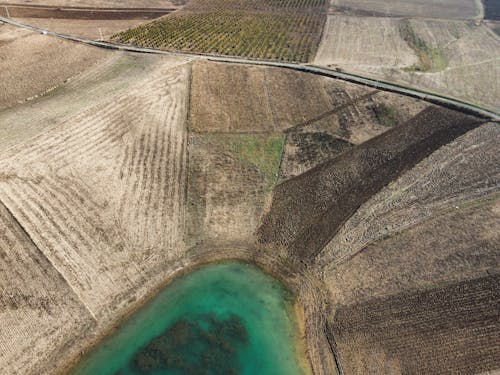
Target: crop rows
[283, 30]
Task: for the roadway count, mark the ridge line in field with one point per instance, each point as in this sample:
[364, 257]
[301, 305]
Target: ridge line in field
[428, 96]
[32, 242]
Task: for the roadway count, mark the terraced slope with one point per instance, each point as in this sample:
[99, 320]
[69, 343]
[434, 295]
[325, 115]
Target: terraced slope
[308, 210]
[285, 30]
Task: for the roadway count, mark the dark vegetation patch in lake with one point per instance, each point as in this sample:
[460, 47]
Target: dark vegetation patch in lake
[204, 346]
[223, 319]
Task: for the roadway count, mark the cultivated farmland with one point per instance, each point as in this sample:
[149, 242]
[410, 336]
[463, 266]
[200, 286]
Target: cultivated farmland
[101, 3]
[285, 30]
[376, 319]
[317, 202]
[24, 54]
[460, 172]
[456, 58]
[378, 211]
[29, 311]
[451, 9]
[75, 204]
[455, 327]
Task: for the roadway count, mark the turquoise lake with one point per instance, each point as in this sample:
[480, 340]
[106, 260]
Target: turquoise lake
[222, 319]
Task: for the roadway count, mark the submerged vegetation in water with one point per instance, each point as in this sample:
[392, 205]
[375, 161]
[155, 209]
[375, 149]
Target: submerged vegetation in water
[201, 346]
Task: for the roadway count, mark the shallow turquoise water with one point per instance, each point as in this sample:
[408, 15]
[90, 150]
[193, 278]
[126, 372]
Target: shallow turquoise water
[222, 319]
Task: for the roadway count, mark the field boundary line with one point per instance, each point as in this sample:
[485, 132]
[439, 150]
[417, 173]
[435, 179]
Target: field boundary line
[32, 241]
[331, 112]
[428, 96]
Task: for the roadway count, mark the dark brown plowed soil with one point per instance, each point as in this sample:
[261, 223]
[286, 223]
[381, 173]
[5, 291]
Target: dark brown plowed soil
[309, 209]
[447, 330]
[38, 11]
[492, 10]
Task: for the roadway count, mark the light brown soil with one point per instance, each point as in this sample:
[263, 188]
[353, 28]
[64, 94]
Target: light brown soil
[105, 189]
[29, 310]
[71, 188]
[91, 29]
[113, 76]
[238, 98]
[25, 54]
[459, 9]
[100, 3]
[225, 196]
[456, 58]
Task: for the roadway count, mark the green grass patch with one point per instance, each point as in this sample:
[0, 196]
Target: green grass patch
[262, 151]
[431, 58]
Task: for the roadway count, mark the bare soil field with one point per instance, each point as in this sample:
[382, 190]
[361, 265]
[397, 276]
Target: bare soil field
[38, 309]
[24, 54]
[316, 203]
[401, 306]
[114, 75]
[71, 187]
[462, 171]
[351, 40]
[447, 330]
[456, 58]
[237, 98]
[453, 9]
[226, 195]
[98, 3]
[283, 30]
[91, 29]
[352, 121]
[95, 154]
[242, 99]
[467, 243]
[85, 13]
[141, 166]
[491, 10]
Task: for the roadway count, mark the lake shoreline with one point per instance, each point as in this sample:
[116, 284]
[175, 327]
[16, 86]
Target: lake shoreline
[266, 264]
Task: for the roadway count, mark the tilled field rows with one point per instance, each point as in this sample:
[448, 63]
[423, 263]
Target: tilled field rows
[308, 210]
[464, 170]
[447, 330]
[102, 193]
[34, 299]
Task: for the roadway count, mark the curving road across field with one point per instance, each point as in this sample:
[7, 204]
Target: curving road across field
[382, 85]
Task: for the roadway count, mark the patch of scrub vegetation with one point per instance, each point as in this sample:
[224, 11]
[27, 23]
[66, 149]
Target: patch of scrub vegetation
[262, 151]
[430, 58]
[387, 115]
